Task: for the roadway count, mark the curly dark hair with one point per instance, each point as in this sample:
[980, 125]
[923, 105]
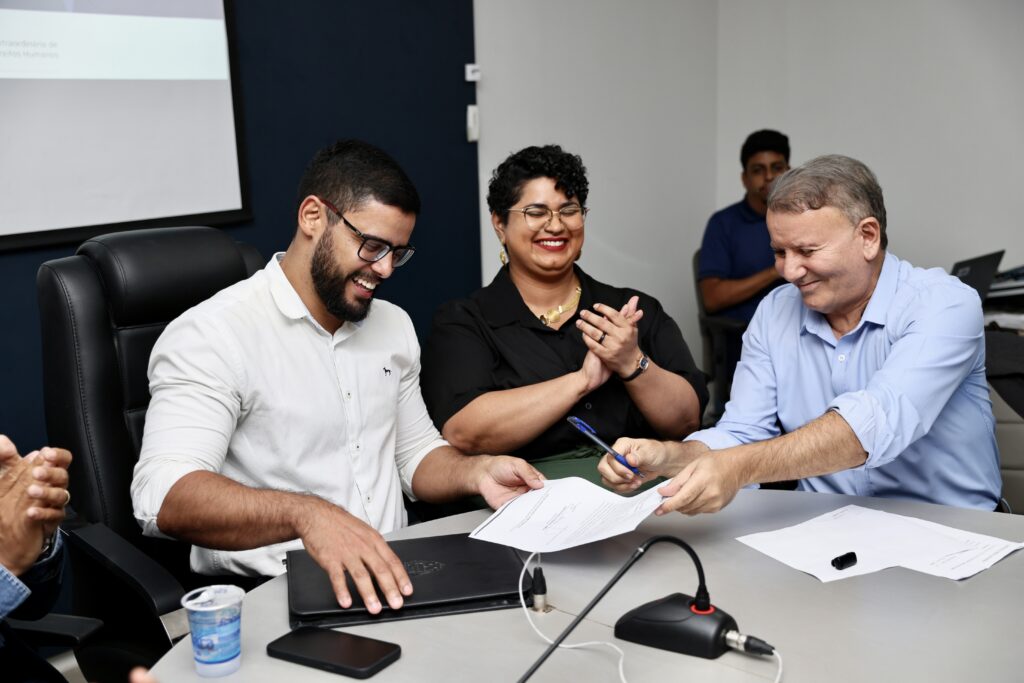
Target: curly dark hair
[549, 161]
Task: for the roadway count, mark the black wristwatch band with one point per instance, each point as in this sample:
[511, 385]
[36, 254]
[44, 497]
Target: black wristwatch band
[641, 365]
[48, 543]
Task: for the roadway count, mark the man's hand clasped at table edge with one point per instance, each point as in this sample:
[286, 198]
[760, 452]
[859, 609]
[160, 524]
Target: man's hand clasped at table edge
[33, 493]
[701, 479]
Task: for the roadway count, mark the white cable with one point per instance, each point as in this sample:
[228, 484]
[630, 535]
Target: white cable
[529, 619]
[778, 676]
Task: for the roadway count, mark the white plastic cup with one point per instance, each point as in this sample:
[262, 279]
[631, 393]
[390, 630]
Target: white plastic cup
[215, 619]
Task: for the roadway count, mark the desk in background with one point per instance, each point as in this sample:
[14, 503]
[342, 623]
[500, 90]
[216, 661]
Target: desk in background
[894, 625]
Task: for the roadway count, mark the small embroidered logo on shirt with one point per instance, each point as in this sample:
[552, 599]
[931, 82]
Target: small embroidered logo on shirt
[387, 372]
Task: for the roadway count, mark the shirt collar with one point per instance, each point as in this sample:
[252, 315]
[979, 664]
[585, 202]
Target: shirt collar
[885, 289]
[874, 312]
[748, 214]
[287, 299]
[502, 304]
[290, 303]
[814, 323]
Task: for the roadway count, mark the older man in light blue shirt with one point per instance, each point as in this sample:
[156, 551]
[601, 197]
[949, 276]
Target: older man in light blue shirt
[864, 376]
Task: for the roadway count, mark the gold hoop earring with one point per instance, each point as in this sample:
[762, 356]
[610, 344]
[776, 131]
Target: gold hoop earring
[503, 256]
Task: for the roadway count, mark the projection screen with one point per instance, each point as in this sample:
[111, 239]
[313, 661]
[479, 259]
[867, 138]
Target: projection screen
[114, 113]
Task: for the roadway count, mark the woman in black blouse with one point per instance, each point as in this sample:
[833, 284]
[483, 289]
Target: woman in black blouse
[505, 367]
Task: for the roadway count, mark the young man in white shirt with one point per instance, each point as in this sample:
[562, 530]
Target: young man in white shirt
[286, 409]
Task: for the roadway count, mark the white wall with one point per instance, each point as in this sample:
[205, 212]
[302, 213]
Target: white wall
[928, 93]
[657, 97]
[631, 88]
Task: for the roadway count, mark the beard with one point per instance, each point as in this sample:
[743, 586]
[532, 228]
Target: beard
[330, 281]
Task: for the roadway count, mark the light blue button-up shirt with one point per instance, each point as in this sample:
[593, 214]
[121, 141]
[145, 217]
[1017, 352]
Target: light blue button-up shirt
[909, 380]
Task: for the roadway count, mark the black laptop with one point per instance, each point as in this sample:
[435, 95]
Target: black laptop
[450, 575]
[978, 272]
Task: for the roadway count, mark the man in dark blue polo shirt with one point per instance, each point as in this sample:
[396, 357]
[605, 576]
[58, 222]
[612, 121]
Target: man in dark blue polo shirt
[737, 265]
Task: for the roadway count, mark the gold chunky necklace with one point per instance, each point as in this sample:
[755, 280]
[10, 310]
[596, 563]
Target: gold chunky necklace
[555, 314]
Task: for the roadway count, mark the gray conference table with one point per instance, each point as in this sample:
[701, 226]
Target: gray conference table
[893, 625]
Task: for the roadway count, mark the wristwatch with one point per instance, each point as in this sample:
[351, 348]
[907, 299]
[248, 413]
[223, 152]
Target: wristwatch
[48, 543]
[641, 366]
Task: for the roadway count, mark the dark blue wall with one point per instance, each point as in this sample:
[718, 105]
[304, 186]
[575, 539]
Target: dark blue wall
[389, 72]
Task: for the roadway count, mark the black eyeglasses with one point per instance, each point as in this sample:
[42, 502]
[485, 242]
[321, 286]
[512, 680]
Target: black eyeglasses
[373, 249]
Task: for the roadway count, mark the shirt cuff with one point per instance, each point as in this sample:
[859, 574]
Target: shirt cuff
[151, 487]
[704, 274]
[53, 549]
[12, 592]
[407, 470]
[864, 416]
[715, 439]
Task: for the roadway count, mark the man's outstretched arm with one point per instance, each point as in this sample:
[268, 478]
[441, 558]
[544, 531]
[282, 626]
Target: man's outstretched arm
[446, 474]
[210, 510]
[710, 482]
[705, 480]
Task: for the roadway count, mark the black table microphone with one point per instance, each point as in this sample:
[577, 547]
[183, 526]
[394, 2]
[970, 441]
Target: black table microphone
[673, 623]
[680, 623]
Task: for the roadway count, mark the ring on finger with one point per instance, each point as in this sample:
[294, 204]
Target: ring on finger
[68, 494]
[600, 340]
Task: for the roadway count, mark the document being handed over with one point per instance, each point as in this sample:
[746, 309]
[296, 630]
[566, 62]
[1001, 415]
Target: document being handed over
[564, 514]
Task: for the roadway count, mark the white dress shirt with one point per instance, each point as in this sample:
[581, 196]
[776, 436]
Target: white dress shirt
[249, 385]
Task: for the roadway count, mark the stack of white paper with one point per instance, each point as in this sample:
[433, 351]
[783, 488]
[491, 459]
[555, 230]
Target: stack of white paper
[880, 539]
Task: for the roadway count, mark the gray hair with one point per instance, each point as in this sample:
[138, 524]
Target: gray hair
[831, 180]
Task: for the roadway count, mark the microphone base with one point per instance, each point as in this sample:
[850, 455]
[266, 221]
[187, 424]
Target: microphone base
[671, 624]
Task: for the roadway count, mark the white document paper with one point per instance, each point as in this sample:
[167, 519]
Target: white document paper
[881, 540]
[564, 514]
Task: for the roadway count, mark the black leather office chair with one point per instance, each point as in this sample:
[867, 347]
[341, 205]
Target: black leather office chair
[1004, 369]
[715, 332]
[101, 311]
[63, 633]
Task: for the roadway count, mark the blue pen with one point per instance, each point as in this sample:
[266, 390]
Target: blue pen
[589, 432]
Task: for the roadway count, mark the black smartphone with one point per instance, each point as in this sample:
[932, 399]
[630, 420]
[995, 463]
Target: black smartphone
[336, 651]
